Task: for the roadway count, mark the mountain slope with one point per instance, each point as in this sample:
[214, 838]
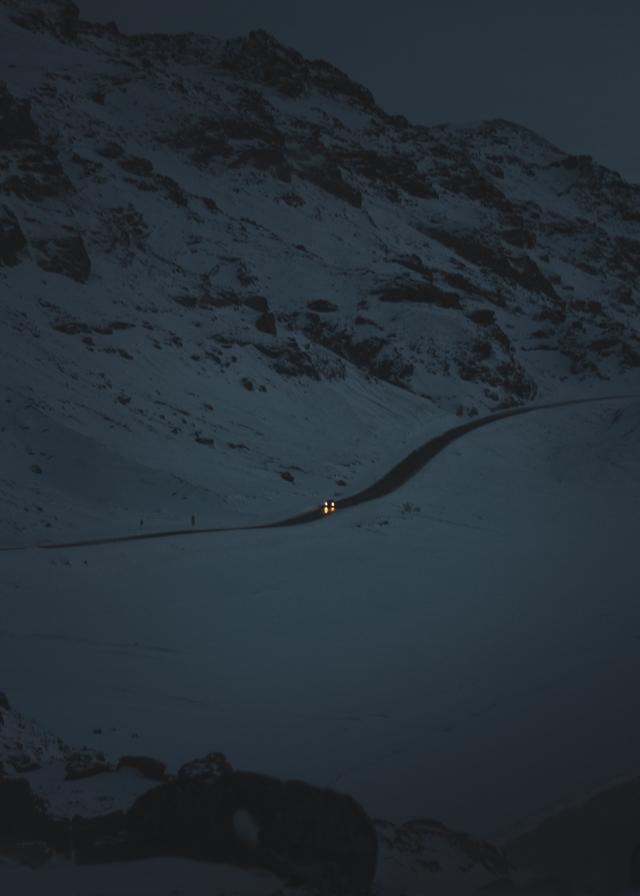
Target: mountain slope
[221, 262]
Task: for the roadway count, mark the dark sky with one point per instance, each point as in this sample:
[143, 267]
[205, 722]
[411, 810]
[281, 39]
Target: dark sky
[570, 70]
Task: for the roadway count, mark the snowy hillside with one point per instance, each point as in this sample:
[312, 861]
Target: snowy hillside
[221, 263]
[232, 287]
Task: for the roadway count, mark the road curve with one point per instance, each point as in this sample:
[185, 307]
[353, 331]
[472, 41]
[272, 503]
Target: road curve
[389, 482]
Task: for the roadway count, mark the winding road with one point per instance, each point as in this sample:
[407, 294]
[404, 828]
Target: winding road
[404, 470]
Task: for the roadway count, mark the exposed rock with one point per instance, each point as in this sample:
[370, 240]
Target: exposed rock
[399, 171]
[415, 291]
[257, 303]
[329, 178]
[21, 812]
[150, 768]
[322, 305]
[58, 17]
[203, 139]
[66, 256]
[483, 316]
[521, 270]
[210, 766]
[111, 150]
[520, 237]
[290, 361]
[266, 323]
[81, 764]
[467, 179]
[303, 833]
[217, 106]
[261, 58]
[414, 263]
[373, 354]
[137, 165]
[16, 123]
[40, 175]
[12, 240]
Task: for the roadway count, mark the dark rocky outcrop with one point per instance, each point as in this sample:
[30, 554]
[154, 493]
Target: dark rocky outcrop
[322, 305]
[110, 150]
[290, 360]
[210, 813]
[266, 323]
[483, 316]
[375, 355]
[136, 165]
[16, 123]
[153, 769]
[210, 766]
[300, 832]
[58, 17]
[521, 270]
[22, 814]
[261, 58]
[328, 177]
[13, 243]
[395, 171]
[257, 303]
[203, 139]
[82, 764]
[67, 256]
[423, 292]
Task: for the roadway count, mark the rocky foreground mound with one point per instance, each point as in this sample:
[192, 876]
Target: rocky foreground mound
[58, 803]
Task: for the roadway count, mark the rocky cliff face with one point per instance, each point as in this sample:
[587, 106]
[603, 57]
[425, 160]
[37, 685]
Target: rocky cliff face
[230, 216]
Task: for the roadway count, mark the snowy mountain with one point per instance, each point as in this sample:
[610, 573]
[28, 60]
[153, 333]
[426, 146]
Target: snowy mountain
[232, 287]
[216, 255]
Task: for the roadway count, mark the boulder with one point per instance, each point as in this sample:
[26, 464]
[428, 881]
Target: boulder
[266, 323]
[300, 832]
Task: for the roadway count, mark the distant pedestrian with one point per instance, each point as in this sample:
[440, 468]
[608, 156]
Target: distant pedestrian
[193, 520]
[141, 523]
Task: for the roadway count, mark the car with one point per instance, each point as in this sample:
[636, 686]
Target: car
[329, 507]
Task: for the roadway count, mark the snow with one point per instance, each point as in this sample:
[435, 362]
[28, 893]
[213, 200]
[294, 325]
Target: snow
[464, 649]
[160, 877]
[459, 675]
